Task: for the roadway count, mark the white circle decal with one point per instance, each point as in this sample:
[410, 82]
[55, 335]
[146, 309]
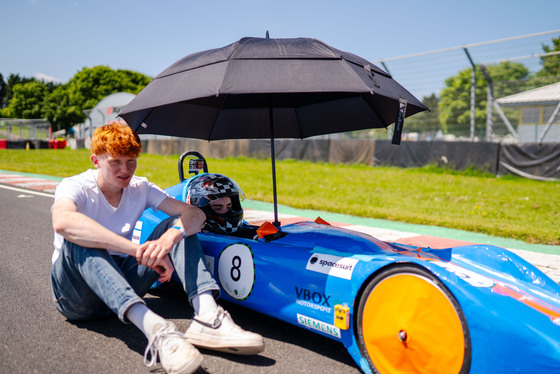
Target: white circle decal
[236, 271]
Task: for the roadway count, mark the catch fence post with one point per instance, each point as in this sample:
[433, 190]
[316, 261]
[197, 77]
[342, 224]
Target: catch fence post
[489, 102]
[473, 93]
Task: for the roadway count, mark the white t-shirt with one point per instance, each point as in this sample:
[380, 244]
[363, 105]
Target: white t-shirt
[84, 191]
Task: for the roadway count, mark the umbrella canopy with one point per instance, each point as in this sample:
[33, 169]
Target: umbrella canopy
[269, 88]
[226, 93]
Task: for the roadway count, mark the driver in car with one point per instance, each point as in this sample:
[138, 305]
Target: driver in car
[219, 197]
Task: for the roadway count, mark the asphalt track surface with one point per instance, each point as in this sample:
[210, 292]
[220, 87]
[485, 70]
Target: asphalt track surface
[34, 337]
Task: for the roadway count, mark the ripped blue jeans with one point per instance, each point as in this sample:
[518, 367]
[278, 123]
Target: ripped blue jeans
[90, 283]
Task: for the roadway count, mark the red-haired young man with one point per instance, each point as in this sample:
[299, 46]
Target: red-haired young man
[98, 271]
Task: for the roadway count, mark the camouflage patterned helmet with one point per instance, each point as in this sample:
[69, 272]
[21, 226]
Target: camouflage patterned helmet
[210, 187]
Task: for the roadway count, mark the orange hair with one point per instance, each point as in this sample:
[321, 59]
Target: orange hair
[116, 139]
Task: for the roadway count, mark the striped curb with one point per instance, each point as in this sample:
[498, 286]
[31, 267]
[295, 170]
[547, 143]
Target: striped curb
[23, 181]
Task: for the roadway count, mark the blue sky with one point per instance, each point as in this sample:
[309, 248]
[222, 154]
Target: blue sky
[54, 39]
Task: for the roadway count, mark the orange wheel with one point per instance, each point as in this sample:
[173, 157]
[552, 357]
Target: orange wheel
[409, 322]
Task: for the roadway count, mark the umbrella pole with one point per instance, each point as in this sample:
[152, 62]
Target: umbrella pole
[273, 158]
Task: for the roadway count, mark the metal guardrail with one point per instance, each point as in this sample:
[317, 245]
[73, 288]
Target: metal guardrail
[16, 128]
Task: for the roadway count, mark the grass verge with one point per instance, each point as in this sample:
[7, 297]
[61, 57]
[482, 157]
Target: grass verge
[508, 207]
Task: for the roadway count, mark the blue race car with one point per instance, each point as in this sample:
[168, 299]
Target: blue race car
[395, 308]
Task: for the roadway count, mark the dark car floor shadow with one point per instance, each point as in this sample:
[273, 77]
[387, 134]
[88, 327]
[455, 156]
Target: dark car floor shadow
[288, 333]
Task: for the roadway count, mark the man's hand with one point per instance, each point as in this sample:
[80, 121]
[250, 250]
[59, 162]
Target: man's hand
[164, 269]
[152, 252]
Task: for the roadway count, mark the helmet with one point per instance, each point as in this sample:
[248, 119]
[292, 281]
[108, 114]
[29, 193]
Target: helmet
[204, 189]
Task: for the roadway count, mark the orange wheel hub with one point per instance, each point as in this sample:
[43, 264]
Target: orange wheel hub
[411, 326]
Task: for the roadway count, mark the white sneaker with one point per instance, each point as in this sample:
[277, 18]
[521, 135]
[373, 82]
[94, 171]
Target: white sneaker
[177, 356]
[218, 332]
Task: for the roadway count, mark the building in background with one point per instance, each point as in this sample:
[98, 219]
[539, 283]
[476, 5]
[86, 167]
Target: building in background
[538, 113]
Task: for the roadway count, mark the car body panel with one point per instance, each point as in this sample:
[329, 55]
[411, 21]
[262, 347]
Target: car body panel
[511, 308]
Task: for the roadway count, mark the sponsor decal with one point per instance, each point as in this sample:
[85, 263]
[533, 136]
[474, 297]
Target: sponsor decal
[341, 267]
[318, 325]
[313, 300]
[236, 271]
[136, 236]
[308, 304]
[137, 232]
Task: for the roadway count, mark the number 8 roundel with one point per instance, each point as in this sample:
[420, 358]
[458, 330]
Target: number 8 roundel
[236, 271]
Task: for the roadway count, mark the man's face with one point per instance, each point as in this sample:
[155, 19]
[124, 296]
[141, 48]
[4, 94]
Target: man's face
[222, 205]
[116, 171]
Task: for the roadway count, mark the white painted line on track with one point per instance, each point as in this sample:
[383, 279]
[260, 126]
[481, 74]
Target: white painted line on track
[17, 179]
[36, 183]
[26, 191]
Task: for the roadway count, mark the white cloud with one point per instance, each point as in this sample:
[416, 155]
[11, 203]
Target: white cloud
[46, 78]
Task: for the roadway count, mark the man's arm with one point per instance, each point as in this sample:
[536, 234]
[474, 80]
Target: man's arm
[191, 220]
[86, 232]
[78, 228]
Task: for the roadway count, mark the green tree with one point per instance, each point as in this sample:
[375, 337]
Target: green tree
[427, 120]
[59, 110]
[11, 82]
[28, 100]
[455, 104]
[66, 104]
[551, 64]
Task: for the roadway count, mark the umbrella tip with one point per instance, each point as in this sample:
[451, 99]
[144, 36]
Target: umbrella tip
[267, 35]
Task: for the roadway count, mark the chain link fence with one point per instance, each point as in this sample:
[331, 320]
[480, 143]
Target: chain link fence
[488, 91]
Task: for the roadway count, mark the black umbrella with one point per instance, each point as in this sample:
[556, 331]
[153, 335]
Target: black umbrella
[270, 88]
